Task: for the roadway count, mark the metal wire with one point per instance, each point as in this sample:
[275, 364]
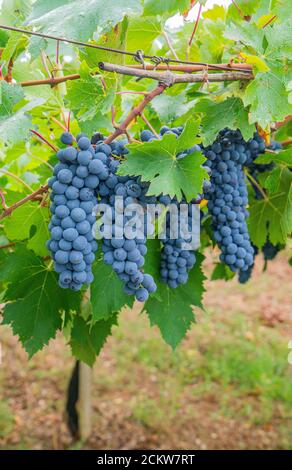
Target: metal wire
[138, 56]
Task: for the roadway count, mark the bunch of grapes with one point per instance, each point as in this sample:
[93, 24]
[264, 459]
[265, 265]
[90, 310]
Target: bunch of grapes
[125, 251]
[227, 199]
[72, 244]
[176, 262]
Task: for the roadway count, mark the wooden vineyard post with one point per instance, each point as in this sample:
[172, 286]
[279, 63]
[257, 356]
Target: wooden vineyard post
[85, 401]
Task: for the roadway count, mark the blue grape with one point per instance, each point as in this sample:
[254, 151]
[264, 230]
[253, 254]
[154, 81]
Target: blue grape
[67, 138]
[84, 143]
[69, 154]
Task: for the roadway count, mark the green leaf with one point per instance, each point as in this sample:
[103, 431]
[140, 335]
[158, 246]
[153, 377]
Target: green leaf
[36, 46]
[86, 340]
[257, 63]
[156, 162]
[14, 127]
[34, 299]
[19, 225]
[79, 19]
[247, 34]
[161, 7]
[173, 312]
[86, 97]
[284, 157]
[222, 271]
[142, 32]
[10, 95]
[229, 113]
[266, 94]
[107, 296]
[169, 107]
[281, 8]
[272, 217]
[279, 39]
[14, 12]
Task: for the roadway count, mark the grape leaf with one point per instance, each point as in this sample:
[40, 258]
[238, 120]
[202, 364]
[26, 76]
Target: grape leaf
[15, 46]
[266, 94]
[14, 12]
[79, 19]
[19, 224]
[172, 309]
[279, 39]
[222, 271]
[272, 217]
[86, 340]
[174, 313]
[34, 299]
[169, 107]
[9, 96]
[106, 281]
[161, 7]
[86, 96]
[229, 113]
[281, 8]
[156, 162]
[14, 127]
[247, 34]
[284, 158]
[142, 31]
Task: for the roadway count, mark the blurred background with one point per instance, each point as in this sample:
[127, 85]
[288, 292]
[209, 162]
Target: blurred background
[228, 386]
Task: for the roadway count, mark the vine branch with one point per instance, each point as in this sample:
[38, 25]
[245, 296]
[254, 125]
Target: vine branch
[169, 78]
[286, 142]
[30, 197]
[54, 81]
[122, 128]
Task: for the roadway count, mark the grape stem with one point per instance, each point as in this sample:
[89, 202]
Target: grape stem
[270, 21]
[256, 184]
[195, 29]
[2, 197]
[17, 178]
[168, 41]
[8, 245]
[149, 125]
[44, 140]
[122, 128]
[8, 77]
[30, 197]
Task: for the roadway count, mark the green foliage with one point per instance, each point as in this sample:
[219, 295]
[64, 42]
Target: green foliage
[229, 113]
[34, 299]
[156, 162]
[272, 216]
[79, 19]
[172, 310]
[35, 306]
[106, 281]
[26, 220]
[87, 340]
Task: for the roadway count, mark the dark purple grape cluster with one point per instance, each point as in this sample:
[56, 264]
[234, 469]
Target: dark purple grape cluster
[73, 186]
[227, 199]
[84, 177]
